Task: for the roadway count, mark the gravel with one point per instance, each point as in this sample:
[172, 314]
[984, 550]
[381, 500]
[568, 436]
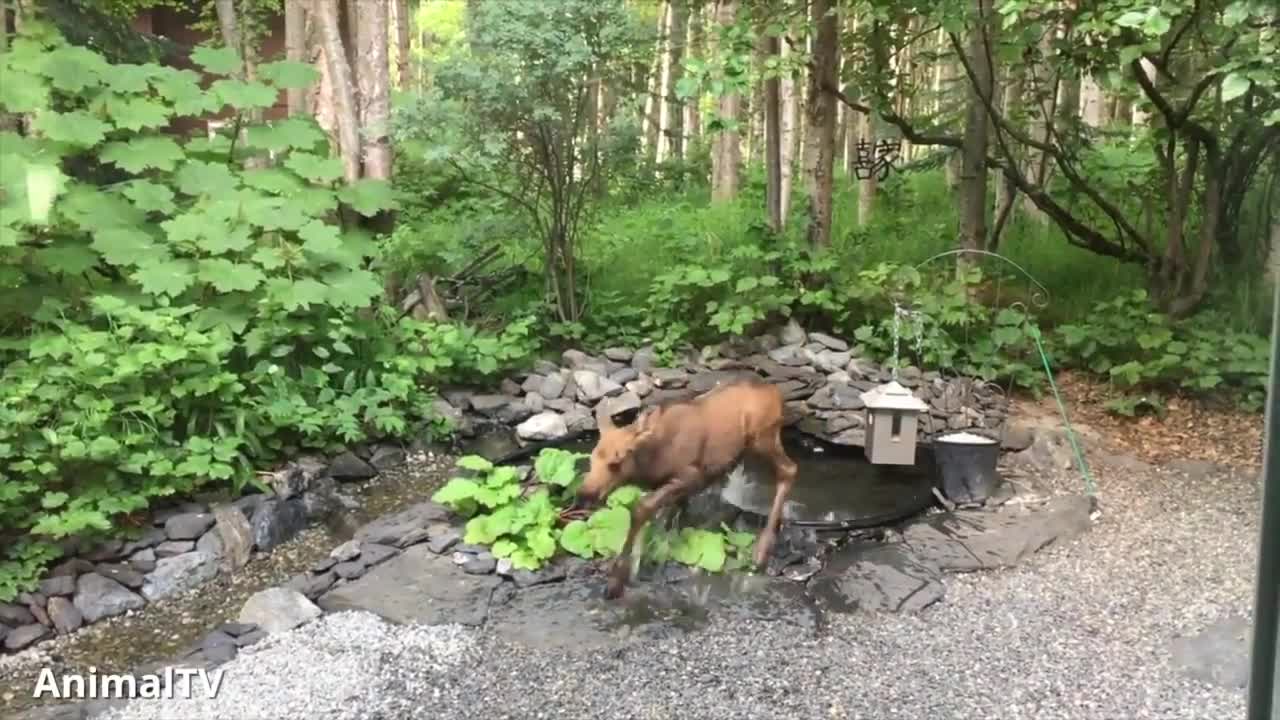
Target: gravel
[1079, 632]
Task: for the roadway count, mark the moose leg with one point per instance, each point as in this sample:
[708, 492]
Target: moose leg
[644, 510]
[784, 473]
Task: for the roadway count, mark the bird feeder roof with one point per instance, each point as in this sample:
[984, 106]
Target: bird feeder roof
[892, 396]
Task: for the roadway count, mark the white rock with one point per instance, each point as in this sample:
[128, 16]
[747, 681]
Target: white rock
[546, 425]
[278, 609]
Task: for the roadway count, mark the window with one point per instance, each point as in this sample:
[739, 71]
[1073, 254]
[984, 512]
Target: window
[896, 429]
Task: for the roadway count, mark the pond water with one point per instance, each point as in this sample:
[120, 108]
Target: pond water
[837, 487]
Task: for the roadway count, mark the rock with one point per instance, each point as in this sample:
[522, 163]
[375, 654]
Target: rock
[236, 629]
[480, 565]
[830, 361]
[413, 538]
[563, 405]
[862, 369]
[535, 402]
[579, 420]
[211, 543]
[348, 467]
[15, 615]
[828, 341]
[178, 574]
[575, 359]
[592, 386]
[489, 405]
[390, 529]
[25, 636]
[855, 437]
[515, 412]
[532, 382]
[1017, 437]
[349, 570]
[552, 386]
[542, 576]
[98, 597]
[624, 375]
[276, 522]
[1218, 655]
[144, 561]
[218, 647]
[619, 354]
[789, 355]
[312, 586]
[792, 333]
[349, 550]
[615, 406]
[877, 577]
[644, 359]
[707, 381]
[442, 538]
[149, 539]
[795, 390]
[451, 414]
[374, 554]
[323, 564]
[669, 378]
[641, 387]
[121, 573]
[510, 387]
[108, 550]
[323, 499]
[35, 602]
[548, 425]
[841, 421]
[250, 638]
[278, 609]
[288, 482]
[188, 526]
[236, 535]
[966, 540]
[76, 566]
[417, 586]
[57, 585]
[837, 396]
[66, 618]
[249, 503]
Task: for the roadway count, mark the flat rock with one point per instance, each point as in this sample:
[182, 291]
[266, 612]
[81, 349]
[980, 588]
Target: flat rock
[828, 341]
[619, 404]
[967, 540]
[546, 425]
[236, 534]
[218, 647]
[349, 467]
[98, 597]
[442, 537]
[1218, 655]
[278, 609]
[390, 529]
[837, 396]
[211, 543]
[312, 586]
[144, 561]
[25, 636]
[276, 522]
[170, 548]
[489, 405]
[58, 585]
[187, 526]
[179, 574]
[706, 381]
[124, 574]
[66, 618]
[592, 386]
[877, 577]
[149, 539]
[13, 615]
[288, 482]
[552, 386]
[417, 586]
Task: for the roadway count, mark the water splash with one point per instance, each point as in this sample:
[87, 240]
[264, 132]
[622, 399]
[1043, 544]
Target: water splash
[916, 318]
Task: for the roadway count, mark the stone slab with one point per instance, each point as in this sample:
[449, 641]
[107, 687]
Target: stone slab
[986, 539]
[1218, 655]
[417, 586]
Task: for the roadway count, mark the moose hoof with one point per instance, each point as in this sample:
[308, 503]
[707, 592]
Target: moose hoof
[614, 589]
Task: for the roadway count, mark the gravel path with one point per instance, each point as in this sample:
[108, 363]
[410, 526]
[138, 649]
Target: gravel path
[1080, 632]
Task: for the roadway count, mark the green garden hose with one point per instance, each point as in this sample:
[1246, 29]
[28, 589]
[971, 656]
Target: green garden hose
[1090, 487]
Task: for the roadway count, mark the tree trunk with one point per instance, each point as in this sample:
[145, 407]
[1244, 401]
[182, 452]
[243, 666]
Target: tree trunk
[675, 71]
[867, 186]
[295, 49]
[693, 114]
[652, 101]
[404, 52]
[727, 151]
[821, 117]
[772, 137]
[973, 180]
[790, 93]
[375, 89]
[344, 101]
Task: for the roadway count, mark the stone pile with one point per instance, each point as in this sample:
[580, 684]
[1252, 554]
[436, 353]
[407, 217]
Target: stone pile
[185, 545]
[821, 377]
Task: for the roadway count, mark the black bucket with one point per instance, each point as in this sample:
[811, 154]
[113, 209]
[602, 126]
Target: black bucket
[966, 470]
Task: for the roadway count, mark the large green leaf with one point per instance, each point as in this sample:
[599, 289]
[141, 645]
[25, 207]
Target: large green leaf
[138, 154]
[76, 127]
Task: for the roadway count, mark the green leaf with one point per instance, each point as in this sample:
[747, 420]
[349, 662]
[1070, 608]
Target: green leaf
[203, 178]
[149, 196]
[139, 154]
[241, 95]
[288, 74]
[701, 548]
[576, 538]
[1132, 19]
[22, 92]
[67, 258]
[352, 288]
[458, 495]
[76, 127]
[72, 68]
[555, 466]
[226, 276]
[290, 134]
[218, 61]
[475, 463]
[624, 497]
[320, 238]
[52, 500]
[368, 197]
[124, 246]
[129, 79]
[164, 277]
[137, 113]
[1236, 13]
[1234, 85]
[542, 544]
[270, 258]
[221, 240]
[314, 167]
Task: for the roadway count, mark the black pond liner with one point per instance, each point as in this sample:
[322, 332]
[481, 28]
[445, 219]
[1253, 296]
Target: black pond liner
[838, 488]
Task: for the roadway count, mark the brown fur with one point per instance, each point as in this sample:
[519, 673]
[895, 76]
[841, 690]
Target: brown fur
[678, 448]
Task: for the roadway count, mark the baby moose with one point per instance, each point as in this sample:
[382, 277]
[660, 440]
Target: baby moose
[678, 449]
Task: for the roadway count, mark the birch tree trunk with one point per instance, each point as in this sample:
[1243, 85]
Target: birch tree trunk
[653, 105]
[867, 186]
[675, 72]
[821, 117]
[375, 89]
[404, 51]
[772, 137]
[344, 101]
[727, 152]
[790, 99]
[693, 113]
[295, 50]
